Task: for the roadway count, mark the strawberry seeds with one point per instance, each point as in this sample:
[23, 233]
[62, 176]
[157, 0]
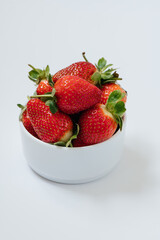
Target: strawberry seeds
[78, 106]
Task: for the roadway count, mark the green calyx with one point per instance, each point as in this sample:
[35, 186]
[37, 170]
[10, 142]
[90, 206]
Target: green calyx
[49, 99]
[49, 78]
[23, 108]
[37, 75]
[52, 106]
[104, 73]
[116, 107]
[69, 142]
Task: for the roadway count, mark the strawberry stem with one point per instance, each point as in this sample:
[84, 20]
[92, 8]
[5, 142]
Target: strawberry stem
[39, 96]
[83, 54]
[49, 95]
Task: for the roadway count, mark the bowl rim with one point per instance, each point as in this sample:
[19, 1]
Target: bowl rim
[71, 148]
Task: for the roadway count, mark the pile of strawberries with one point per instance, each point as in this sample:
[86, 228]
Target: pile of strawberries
[78, 106]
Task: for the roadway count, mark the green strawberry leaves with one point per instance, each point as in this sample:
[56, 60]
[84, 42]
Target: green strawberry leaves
[33, 75]
[74, 136]
[116, 96]
[96, 77]
[119, 108]
[52, 106]
[20, 106]
[36, 75]
[116, 107]
[101, 64]
[23, 108]
[49, 78]
[119, 121]
[104, 73]
[60, 143]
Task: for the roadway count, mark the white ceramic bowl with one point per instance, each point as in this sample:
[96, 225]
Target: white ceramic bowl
[72, 165]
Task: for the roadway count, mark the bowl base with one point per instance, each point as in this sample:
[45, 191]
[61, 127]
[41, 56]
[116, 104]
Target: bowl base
[71, 182]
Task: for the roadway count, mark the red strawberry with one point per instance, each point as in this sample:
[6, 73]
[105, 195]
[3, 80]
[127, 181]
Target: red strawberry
[27, 124]
[44, 87]
[74, 94]
[87, 71]
[42, 78]
[97, 125]
[100, 122]
[108, 88]
[78, 143]
[48, 126]
[80, 69]
[26, 121]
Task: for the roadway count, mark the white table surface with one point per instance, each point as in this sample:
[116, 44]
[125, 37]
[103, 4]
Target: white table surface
[124, 205]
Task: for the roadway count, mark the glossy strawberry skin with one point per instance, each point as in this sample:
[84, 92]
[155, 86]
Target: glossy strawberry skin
[75, 94]
[43, 87]
[78, 143]
[96, 125]
[49, 127]
[80, 69]
[107, 89]
[27, 124]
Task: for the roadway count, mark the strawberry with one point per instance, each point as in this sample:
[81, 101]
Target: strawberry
[42, 78]
[80, 69]
[50, 126]
[74, 94]
[44, 87]
[71, 140]
[26, 121]
[108, 88]
[98, 74]
[100, 122]
[78, 143]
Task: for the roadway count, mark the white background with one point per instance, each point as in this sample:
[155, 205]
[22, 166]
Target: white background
[125, 205]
